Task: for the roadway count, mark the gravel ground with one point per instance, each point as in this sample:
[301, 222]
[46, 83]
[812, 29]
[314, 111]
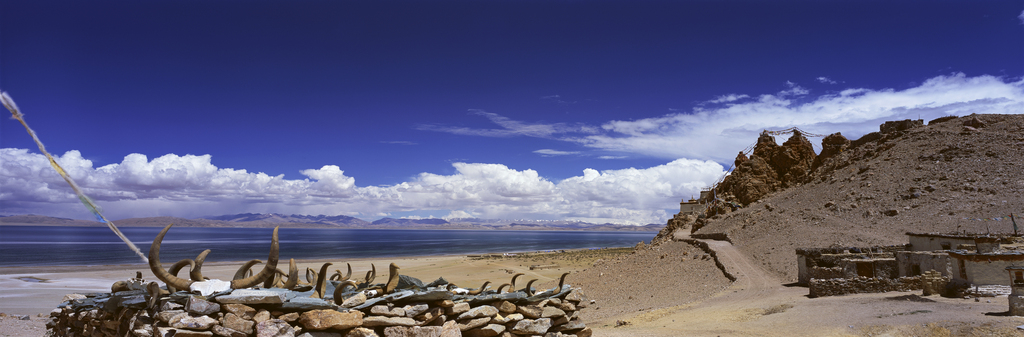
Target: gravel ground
[15, 325]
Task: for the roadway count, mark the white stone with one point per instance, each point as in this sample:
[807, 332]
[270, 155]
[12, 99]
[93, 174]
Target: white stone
[209, 287]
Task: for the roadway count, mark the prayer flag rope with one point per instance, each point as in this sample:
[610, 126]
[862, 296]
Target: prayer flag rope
[88, 202]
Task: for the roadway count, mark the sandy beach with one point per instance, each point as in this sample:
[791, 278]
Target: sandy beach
[673, 289]
[34, 290]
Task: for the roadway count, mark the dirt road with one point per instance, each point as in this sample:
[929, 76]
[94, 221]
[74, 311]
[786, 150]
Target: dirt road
[757, 304]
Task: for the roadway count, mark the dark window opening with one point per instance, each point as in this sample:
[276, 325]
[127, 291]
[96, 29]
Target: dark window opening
[865, 269]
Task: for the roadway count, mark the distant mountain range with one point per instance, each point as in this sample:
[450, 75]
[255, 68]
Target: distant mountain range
[258, 220]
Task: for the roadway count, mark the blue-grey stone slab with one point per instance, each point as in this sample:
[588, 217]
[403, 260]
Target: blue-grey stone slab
[306, 304]
[369, 303]
[254, 296]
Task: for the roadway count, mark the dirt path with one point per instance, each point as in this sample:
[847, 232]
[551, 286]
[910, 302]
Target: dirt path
[757, 304]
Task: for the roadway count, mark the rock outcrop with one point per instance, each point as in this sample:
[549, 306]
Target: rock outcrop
[771, 167]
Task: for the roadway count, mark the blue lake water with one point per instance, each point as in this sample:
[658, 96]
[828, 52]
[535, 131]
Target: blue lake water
[66, 246]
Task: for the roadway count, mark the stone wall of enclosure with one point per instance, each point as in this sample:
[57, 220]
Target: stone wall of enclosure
[275, 303]
[430, 310]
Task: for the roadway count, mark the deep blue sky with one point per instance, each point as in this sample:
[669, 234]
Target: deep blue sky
[383, 88]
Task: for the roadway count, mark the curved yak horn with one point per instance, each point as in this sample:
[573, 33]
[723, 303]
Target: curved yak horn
[321, 279]
[372, 274]
[293, 275]
[514, 277]
[340, 289]
[336, 276]
[177, 267]
[561, 283]
[273, 279]
[158, 270]
[478, 291]
[348, 276]
[268, 269]
[310, 275]
[529, 287]
[245, 269]
[392, 279]
[501, 287]
[197, 274]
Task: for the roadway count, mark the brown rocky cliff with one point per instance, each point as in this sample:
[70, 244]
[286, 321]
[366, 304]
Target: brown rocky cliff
[771, 167]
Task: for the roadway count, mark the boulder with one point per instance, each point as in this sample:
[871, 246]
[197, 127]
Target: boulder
[361, 332]
[490, 330]
[274, 328]
[412, 331]
[532, 327]
[531, 311]
[481, 311]
[243, 311]
[474, 323]
[330, 319]
[192, 323]
[376, 321]
[199, 306]
[234, 322]
[227, 332]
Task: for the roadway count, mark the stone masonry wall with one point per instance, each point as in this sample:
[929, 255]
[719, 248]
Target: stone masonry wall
[280, 312]
[860, 285]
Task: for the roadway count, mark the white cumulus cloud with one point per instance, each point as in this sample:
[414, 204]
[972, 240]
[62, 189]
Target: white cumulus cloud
[718, 133]
[190, 186]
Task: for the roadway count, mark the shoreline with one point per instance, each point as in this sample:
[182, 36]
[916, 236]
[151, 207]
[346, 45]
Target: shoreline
[31, 290]
[10, 270]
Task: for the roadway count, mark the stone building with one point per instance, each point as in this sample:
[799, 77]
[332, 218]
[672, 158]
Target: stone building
[923, 242]
[690, 207]
[847, 262]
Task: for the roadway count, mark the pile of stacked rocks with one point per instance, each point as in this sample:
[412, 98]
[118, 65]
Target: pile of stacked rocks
[427, 311]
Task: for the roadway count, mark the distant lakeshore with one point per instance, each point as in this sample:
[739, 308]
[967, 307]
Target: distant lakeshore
[250, 220]
[28, 246]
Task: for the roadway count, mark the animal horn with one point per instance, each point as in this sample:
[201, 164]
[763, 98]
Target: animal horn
[177, 267]
[245, 269]
[158, 270]
[272, 280]
[336, 276]
[321, 279]
[340, 289]
[349, 274]
[372, 274]
[501, 287]
[293, 275]
[529, 287]
[514, 277]
[196, 272]
[392, 279]
[482, 287]
[153, 289]
[561, 283]
[268, 269]
[310, 275]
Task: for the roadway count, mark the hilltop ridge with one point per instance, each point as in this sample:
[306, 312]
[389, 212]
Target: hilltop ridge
[949, 175]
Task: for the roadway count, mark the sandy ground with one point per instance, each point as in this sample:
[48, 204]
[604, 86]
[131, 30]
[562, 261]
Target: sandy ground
[35, 291]
[757, 304]
[668, 290]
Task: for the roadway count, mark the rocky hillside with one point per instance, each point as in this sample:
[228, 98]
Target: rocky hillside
[939, 177]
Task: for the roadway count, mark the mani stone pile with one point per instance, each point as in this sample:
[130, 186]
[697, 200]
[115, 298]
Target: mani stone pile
[145, 310]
